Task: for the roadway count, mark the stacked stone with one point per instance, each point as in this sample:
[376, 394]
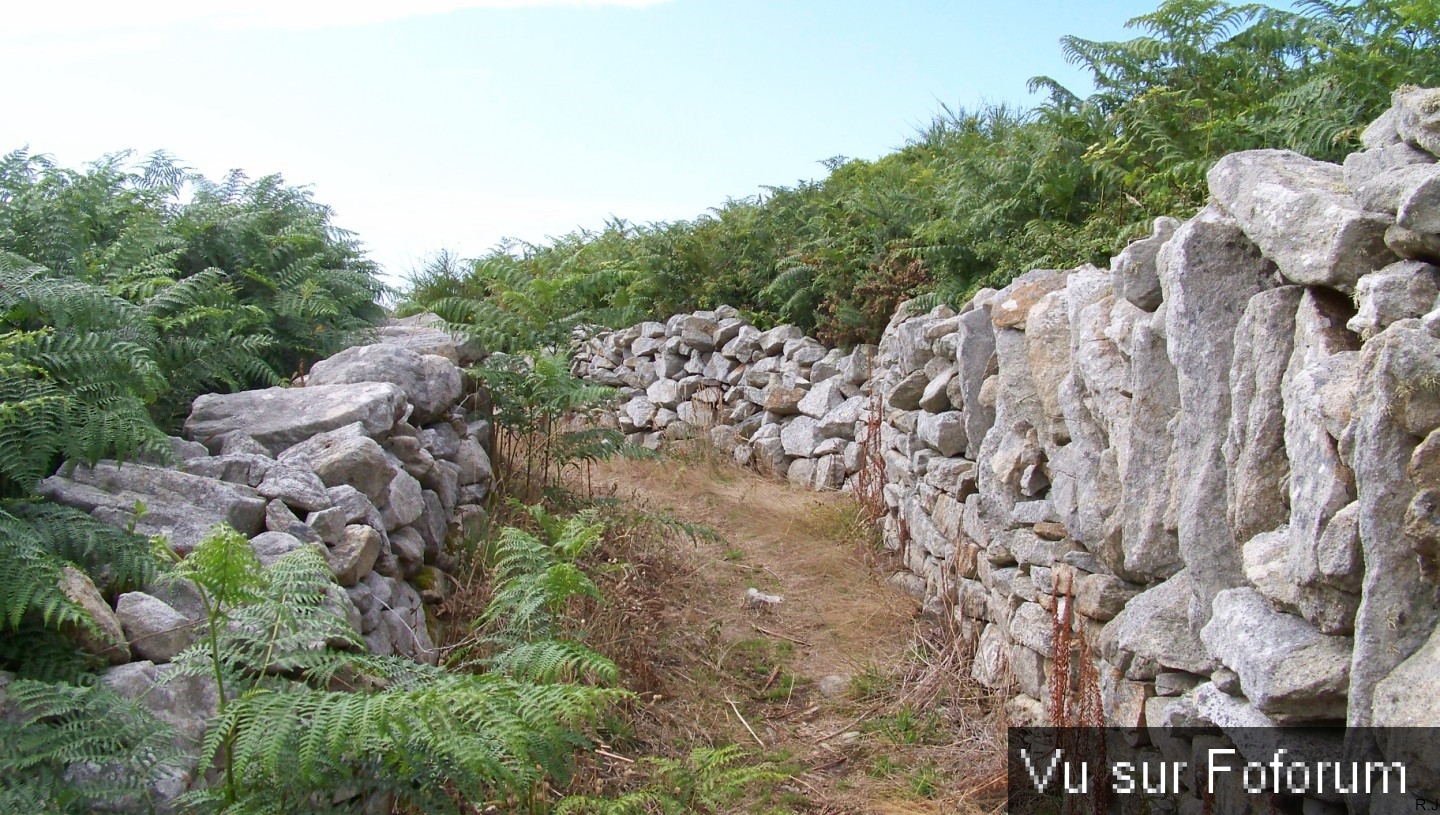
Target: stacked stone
[372, 461]
[1217, 462]
[776, 399]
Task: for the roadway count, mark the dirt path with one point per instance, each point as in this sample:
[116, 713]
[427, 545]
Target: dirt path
[813, 677]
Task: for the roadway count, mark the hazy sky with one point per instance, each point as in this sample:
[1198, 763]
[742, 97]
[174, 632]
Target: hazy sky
[449, 124]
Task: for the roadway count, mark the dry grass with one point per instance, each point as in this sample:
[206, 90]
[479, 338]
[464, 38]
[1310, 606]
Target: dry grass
[911, 733]
[907, 731]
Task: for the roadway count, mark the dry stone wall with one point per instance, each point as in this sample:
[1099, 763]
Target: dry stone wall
[1211, 471]
[375, 461]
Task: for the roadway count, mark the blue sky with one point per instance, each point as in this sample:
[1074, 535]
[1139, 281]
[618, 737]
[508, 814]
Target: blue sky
[449, 124]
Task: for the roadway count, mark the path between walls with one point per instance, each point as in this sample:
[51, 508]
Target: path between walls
[843, 631]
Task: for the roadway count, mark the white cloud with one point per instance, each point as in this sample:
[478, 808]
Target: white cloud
[65, 19]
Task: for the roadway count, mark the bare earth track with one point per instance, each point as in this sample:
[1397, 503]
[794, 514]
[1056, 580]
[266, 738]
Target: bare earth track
[819, 682]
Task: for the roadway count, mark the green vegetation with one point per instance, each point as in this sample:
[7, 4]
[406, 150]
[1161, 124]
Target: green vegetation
[707, 781]
[127, 289]
[980, 195]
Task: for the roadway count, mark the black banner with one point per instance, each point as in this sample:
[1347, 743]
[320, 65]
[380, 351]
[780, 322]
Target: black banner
[1200, 771]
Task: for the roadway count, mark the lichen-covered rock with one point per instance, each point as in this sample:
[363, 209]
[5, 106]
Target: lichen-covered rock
[425, 334]
[431, 383]
[1399, 606]
[1397, 292]
[1011, 306]
[103, 636]
[1301, 215]
[1288, 670]
[1417, 117]
[178, 506]
[1209, 271]
[1135, 275]
[1155, 625]
[354, 556]
[296, 486]
[1255, 445]
[346, 456]
[155, 631]
[279, 418]
[1148, 498]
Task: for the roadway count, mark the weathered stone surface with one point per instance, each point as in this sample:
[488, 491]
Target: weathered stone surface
[1287, 669]
[991, 666]
[1148, 499]
[179, 506]
[296, 486]
[425, 334]
[923, 530]
[1135, 276]
[1364, 167]
[858, 367]
[1398, 609]
[1033, 512]
[840, 421]
[105, 638]
[699, 332]
[1381, 132]
[943, 432]
[829, 473]
[1011, 307]
[431, 383]
[1413, 245]
[278, 418]
[905, 343]
[1386, 192]
[185, 702]
[664, 393]
[1255, 445]
[156, 631]
[238, 468]
[328, 523]
[1397, 292]
[805, 352]
[346, 456]
[1033, 627]
[824, 398]
[782, 401]
[975, 350]
[1408, 700]
[1047, 336]
[1419, 208]
[409, 547]
[271, 546]
[801, 472]
[935, 397]
[1155, 625]
[474, 463]
[1417, 117]
[1301, 215]
[404, 501]
[1123, 701]
[800, 436]
[908, 391]
[1175, 683]
[280, 518]
[772, 342]
[1102, 596]
[1267, 567]
[640, 411]
[1318, 390]
[1209, 271]
[354, 557]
